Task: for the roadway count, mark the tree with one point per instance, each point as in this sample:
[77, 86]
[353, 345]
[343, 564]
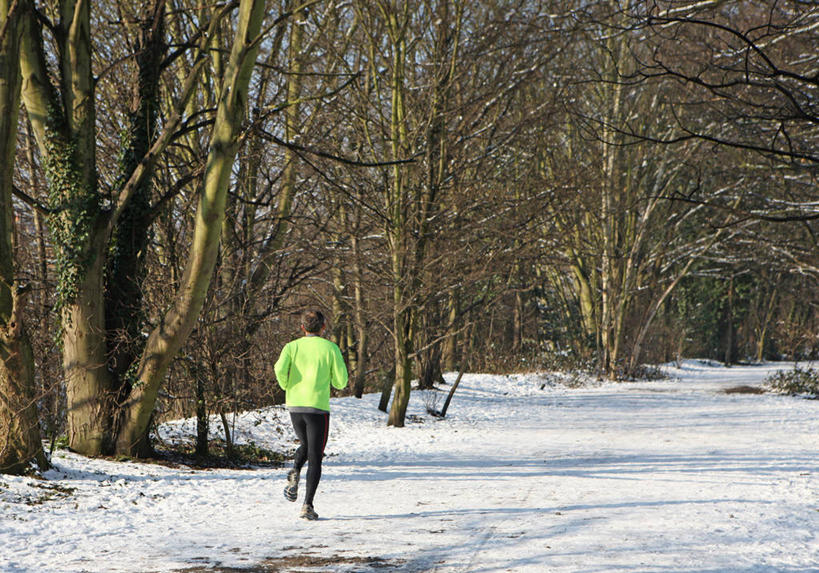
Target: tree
[621, 237]
[168, 337]
[110, 404]
[745, 78]
[19, 425]
[739, 78]
[438, 101]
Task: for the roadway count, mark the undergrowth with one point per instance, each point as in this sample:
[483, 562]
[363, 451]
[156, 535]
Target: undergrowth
[220, 456]
[796, 382]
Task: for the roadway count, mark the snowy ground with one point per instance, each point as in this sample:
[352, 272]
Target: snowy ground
[666, 476]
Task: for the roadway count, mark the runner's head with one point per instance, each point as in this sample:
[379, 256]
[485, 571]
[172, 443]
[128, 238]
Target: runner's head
[312, 321]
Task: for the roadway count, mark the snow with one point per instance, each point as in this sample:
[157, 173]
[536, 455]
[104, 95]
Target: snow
[523, 475]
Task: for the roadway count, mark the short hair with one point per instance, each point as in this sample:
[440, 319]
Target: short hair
[312, 321]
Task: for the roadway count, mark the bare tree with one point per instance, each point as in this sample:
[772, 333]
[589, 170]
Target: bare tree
[109, 412]
[20, 443]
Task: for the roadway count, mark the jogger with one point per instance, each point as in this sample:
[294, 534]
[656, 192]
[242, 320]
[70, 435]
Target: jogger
[306, 369]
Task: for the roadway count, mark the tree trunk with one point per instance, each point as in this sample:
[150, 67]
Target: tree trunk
[451, 393]
[339, 308]
[126, 266]
[64, 125]
[766, 321]
[586, 301]
[63, 119]
[360, 322]
[403, 377]
[607, 361]
[517, 324]
[411, 207]
[450, 350]
[397, 224]
[90, 400]
[655, 306]
[611, 209]
[43, 307]
[729, 324]
[256, 277]
[430, 364]
[287, 191]
[20, 443]
[387, 383]
[202, 420]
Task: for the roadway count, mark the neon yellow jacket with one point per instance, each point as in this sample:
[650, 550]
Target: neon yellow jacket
[305, 370]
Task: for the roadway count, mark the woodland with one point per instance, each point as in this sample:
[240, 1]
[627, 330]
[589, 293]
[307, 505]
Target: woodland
[479, 186]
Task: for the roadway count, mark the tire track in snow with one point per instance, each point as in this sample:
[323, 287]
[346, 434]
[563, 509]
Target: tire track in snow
[491, 532]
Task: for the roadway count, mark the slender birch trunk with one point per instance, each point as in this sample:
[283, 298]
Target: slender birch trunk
[610, 188]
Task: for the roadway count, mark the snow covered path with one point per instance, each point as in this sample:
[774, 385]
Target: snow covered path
[671, 476]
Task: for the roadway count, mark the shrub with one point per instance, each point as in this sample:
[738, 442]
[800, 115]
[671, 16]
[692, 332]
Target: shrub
[803, 381]
[645, 372]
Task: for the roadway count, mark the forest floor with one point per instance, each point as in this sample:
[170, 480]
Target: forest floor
[524, 474]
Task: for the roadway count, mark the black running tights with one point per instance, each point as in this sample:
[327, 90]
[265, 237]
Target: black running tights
[312, 431]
